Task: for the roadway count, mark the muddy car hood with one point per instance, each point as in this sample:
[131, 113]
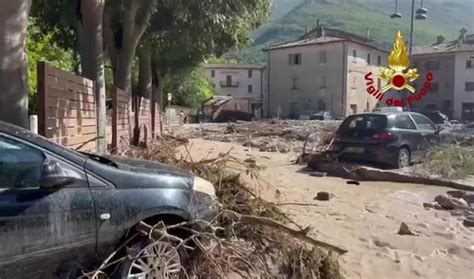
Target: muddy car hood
[143, 166]
[132, 173]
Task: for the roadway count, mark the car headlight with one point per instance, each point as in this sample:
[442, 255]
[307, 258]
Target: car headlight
[204, 186]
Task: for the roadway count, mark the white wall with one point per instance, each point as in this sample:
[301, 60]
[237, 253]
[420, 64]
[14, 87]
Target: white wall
[241, 77]
[358, 67]
[462, 75]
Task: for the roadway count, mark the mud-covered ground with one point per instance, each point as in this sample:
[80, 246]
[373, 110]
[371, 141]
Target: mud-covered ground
[364, 219]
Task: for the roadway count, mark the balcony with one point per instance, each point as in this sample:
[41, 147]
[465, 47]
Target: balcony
[229, 84]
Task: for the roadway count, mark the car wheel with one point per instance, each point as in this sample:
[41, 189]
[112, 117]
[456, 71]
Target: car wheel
[149, 259]
[404, 158]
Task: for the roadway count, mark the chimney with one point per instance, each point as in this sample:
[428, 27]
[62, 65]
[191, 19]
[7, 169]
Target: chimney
[368, 34]
[439, 39]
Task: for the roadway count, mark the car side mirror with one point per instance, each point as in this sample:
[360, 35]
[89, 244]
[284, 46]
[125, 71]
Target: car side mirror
[53, 177]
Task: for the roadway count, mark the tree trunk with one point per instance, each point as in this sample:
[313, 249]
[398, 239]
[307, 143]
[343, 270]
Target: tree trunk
[92, 60]
[157, 96]
[136, 18]
[144, 69]
[13, 62]
[144, 81]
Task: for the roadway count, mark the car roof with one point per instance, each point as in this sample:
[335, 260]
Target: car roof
[26, 135]
[386, 113]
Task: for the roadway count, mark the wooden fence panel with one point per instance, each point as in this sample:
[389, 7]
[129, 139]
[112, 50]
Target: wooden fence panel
[66, 108]
[121, 126]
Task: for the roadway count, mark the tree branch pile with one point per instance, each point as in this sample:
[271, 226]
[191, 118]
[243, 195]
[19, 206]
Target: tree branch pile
[250, 238]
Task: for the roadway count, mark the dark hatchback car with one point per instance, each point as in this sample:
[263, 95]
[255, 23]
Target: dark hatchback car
[392, 138]
[436, 116]
[62, 211]
[321, 115]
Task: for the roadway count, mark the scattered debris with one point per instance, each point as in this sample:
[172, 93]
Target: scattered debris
[405, 230]
[469, 198]
[455, 202]
[251, 236]
[456, 194]
[318, 174]
[353, 182]
[324, 196]
[446, 202]
[428, 205]
[282, 136]
[457, 212]
[448, 161]
[362, 173]
[468, 222]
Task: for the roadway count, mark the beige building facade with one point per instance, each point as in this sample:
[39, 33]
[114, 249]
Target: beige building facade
[325, 71]
[452, 65]
[245, 83]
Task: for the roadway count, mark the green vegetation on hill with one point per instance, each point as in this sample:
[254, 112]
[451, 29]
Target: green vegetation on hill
[445, 18]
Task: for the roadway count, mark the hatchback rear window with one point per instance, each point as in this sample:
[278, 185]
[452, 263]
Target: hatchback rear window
[365, 122]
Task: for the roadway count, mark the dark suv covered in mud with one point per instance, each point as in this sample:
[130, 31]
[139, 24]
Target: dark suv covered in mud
[62, 211]
[393, 138]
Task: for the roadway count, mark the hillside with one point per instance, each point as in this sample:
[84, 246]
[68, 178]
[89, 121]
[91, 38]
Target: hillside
[445, 17]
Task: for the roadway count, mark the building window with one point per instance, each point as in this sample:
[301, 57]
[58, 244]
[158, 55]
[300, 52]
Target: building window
[354, 55]
[322, 57]
[469, 86]
[354, 109]
[323, 82]
[469, 64]
[229, 80]
[434, 87]
[294, 59]
[250, 89]
[295, 83]
[213, 73]
[379, 60]
[250, 73]
[213, 85]
[432, 65]
[368, 58]
[354, 82]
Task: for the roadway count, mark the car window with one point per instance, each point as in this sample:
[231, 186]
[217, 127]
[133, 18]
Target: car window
[365, 122]
[404, 122]
[423, 122]
[20, 165]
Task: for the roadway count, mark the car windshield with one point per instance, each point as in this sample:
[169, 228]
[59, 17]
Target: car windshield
[364, 122]
[317, 122]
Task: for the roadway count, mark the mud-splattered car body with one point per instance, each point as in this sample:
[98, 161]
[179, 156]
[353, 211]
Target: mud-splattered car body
[62, 210]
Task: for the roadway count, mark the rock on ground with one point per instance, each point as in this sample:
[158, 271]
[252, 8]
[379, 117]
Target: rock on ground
[324, 196]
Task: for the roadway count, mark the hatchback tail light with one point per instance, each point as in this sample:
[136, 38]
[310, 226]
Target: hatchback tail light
[384, 136]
